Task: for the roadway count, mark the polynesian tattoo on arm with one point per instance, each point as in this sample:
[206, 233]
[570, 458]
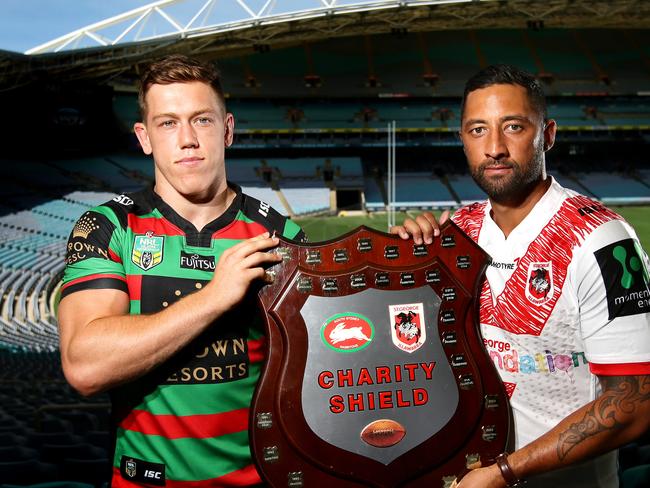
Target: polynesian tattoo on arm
[621, 397]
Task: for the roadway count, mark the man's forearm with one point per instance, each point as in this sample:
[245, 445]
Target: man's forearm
[618, 416]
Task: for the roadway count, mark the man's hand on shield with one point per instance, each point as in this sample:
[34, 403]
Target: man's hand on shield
[487, 477]
[423, 228]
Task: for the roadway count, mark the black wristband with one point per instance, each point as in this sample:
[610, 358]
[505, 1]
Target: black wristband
[506, 471]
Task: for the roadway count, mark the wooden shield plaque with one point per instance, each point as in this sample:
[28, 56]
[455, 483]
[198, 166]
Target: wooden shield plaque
[376, 374]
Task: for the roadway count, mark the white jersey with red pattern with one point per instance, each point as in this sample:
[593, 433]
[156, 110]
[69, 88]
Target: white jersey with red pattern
[566, 298]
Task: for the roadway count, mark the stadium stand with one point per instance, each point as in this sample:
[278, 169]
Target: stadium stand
[305, 198]
[97, 171]
[317, 115]
[421, 190]
[573, 61]
[465, 188]
[611, 188]
[47, 431]
[375, 195]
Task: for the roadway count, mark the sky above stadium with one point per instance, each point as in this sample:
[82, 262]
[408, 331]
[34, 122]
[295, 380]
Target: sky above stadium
[25, 24]
[28, 23]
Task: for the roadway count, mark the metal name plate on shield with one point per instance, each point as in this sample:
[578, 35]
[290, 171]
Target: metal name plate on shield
[376, 374]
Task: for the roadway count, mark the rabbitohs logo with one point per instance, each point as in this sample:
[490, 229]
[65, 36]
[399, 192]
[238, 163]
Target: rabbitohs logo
[347, 332]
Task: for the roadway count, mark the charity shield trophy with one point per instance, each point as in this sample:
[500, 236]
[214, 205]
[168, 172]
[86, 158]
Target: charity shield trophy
[376, 374]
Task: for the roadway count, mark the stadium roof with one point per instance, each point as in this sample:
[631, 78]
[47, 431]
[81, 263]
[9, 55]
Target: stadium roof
[173, 20]
[212, 28]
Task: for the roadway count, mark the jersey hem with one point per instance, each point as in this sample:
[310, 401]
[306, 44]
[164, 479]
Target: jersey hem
[620, 369]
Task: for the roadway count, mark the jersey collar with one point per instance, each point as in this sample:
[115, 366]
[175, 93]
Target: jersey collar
[194, 237]
[533, 223]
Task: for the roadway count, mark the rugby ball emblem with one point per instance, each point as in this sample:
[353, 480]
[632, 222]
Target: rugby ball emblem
[383, 433]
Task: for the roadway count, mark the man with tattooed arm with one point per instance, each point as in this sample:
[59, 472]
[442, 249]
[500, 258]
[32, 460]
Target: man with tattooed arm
[565, 306]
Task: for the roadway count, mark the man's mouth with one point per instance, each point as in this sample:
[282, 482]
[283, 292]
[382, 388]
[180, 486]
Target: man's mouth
[497, 168]
[190, 160]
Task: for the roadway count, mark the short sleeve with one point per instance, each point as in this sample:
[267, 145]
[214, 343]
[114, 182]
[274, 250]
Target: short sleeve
[614, 300]
[293, 231]
[93, 254]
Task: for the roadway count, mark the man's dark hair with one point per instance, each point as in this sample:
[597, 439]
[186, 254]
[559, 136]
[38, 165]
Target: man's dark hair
[177, 68]
[505, 74]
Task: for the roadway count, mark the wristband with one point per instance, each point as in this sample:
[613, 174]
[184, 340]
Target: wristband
[506, 471]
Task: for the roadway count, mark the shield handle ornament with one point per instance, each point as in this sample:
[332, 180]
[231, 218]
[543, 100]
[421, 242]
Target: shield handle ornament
[376, 375]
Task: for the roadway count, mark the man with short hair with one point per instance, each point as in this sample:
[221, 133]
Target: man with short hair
[564, 308]
[155, 305]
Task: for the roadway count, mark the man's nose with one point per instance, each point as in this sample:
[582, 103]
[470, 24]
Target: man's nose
[187, 136]
[496, 147]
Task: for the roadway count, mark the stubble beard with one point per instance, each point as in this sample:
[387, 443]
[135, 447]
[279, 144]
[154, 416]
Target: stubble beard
[514, 187]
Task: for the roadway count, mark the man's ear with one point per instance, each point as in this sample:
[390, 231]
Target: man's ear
[550, 129]
[229, 130]
[143, 136]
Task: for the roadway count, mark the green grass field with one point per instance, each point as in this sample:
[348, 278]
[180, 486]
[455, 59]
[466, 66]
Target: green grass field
[323, 228]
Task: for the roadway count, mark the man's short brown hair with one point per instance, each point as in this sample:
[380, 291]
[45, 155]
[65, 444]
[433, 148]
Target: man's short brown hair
[177, 68]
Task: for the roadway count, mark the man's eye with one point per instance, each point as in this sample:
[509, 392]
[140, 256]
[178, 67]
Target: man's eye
[477, 131]
[167, 123]
[204, 120]
[514, 127]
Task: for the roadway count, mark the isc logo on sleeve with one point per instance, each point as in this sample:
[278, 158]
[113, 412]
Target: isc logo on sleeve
[134, 469]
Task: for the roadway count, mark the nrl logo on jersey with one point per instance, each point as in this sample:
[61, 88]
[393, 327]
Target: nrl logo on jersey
[408, 330]
[130, 468]
[147, 250]
[539, 284]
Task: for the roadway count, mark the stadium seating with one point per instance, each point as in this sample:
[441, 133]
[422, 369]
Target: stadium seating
[573, 61]
[375, 200]
[99, 172]
[466, 189]
[318, 115]
[44, 426]
[421, 190]
[32, 247]
[295, 186]
[305, 199]
[615, 189]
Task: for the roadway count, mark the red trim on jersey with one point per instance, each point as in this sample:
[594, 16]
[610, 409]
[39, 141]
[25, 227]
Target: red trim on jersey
[513, 310]
[159, 226]
[257, 350]
[192, 426]
[470, 219]
[114, 257]
[134, 282]
[92, 277]
[238, 229]
[247, 476]
[619, 369]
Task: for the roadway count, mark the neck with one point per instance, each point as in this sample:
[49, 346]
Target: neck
[509, 214]
[199, 210]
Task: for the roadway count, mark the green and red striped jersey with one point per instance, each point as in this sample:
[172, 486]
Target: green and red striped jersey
[186, 423]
